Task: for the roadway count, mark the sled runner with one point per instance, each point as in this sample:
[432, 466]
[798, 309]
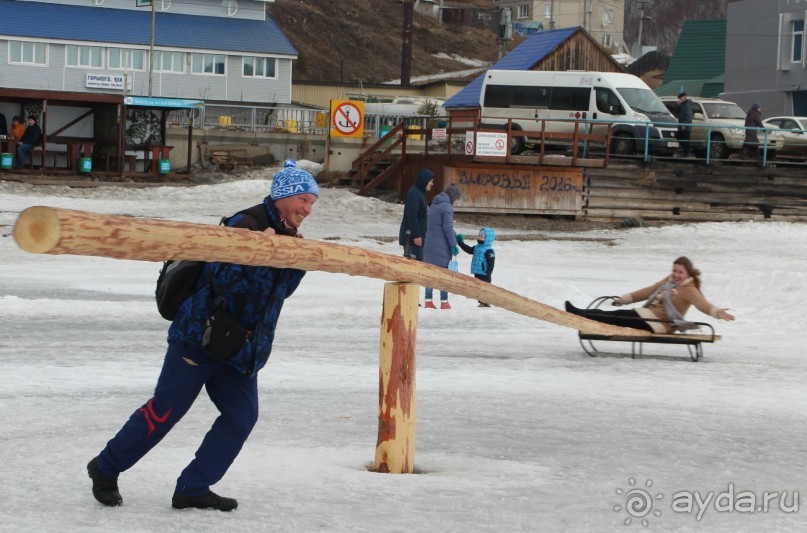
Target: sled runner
[693, 341]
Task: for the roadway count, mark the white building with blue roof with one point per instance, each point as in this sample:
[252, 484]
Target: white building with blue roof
[230, 51]
[101, 75]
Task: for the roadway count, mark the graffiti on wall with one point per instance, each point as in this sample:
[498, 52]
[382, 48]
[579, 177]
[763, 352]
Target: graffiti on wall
[503, 188]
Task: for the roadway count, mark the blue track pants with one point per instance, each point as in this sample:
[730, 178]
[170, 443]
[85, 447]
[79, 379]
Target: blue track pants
[185, 371]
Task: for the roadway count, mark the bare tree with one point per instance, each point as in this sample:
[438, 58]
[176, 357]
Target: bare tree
[666, 19]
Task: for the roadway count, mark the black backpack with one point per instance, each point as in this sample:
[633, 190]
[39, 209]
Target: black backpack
[177, 279]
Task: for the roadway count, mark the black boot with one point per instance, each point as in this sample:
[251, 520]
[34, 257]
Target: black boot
[211, 500]
[572, 309]
[105, 489]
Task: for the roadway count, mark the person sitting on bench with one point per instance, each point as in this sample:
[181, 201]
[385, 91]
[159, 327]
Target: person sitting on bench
[30, 140]
[667, 303]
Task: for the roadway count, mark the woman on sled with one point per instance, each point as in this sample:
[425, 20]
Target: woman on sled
[667, 301]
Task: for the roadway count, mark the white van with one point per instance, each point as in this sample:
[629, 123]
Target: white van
[528, 97]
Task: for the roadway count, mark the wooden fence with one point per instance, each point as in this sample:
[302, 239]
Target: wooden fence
[700, 193]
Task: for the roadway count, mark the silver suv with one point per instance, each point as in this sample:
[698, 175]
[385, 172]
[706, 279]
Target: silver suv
[725, 124]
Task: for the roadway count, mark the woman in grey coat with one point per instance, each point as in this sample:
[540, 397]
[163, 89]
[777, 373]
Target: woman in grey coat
[441, 240]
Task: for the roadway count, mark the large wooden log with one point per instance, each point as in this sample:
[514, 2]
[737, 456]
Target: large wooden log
[61, 231]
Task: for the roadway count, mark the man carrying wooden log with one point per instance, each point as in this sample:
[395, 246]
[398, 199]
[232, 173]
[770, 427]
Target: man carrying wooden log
[220, 338]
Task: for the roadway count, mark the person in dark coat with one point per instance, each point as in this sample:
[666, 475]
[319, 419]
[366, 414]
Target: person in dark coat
[684, 123]
[251, 296]
[30, 140]
[413, 225]
[751, 142]
[3, 125]
[441, 240]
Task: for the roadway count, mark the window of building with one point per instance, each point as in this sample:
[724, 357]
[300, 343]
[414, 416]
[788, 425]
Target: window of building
[524, 11]
[125, 59]
[607, 17]
[84, 56]
[207, 64]
[606, 39]
[798, 41]
[28, 53]
[169, 62]
[260, 67]
[548, 11]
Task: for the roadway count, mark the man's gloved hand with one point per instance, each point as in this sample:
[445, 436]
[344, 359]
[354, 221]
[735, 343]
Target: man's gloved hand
[460, 237]
[455, 250]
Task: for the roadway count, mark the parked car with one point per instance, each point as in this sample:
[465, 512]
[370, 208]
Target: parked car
[794, 131]
[724, 122]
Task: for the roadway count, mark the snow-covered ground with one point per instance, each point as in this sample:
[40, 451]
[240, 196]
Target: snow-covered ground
[517, 430]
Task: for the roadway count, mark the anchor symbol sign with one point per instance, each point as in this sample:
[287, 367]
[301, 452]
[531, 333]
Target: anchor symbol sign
[348, 119]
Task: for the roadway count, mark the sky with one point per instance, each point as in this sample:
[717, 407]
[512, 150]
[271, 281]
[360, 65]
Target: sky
[518, 430]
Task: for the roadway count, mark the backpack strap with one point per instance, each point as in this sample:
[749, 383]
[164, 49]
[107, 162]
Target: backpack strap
[258, 212]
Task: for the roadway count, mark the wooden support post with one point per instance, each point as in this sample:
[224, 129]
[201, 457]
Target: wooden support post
[395, 449]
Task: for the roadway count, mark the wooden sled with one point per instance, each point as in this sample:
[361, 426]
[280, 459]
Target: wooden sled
[693, 341]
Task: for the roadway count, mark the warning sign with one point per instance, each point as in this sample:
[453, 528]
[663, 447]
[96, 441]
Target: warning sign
[469, 143]
[491, 144]
[347, 118]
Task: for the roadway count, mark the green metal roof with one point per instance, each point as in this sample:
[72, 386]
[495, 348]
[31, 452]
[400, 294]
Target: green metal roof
[700, 55]
[705, 88]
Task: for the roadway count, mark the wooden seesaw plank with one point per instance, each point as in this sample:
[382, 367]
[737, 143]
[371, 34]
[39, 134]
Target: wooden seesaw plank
[48, 230]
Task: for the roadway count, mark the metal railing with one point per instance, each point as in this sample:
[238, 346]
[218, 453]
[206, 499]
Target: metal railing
[288, 119]
[282, 119]
[252, 119]
[708, 144]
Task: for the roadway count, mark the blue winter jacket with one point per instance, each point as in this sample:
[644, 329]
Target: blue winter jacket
[482, 261]
[440, 235]
[254, 296]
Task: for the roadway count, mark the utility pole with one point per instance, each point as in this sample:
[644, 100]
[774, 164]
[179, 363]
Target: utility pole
[151, 51]
[642, 18]
[406, 49]
[552, 15]
[505, 30]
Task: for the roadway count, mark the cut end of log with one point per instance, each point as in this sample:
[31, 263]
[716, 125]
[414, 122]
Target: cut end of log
[37, 230]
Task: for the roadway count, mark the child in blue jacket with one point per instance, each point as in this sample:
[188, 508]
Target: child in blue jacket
[483, 255]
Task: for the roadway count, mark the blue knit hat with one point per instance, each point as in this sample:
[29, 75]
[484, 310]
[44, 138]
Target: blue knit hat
[292, 181]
